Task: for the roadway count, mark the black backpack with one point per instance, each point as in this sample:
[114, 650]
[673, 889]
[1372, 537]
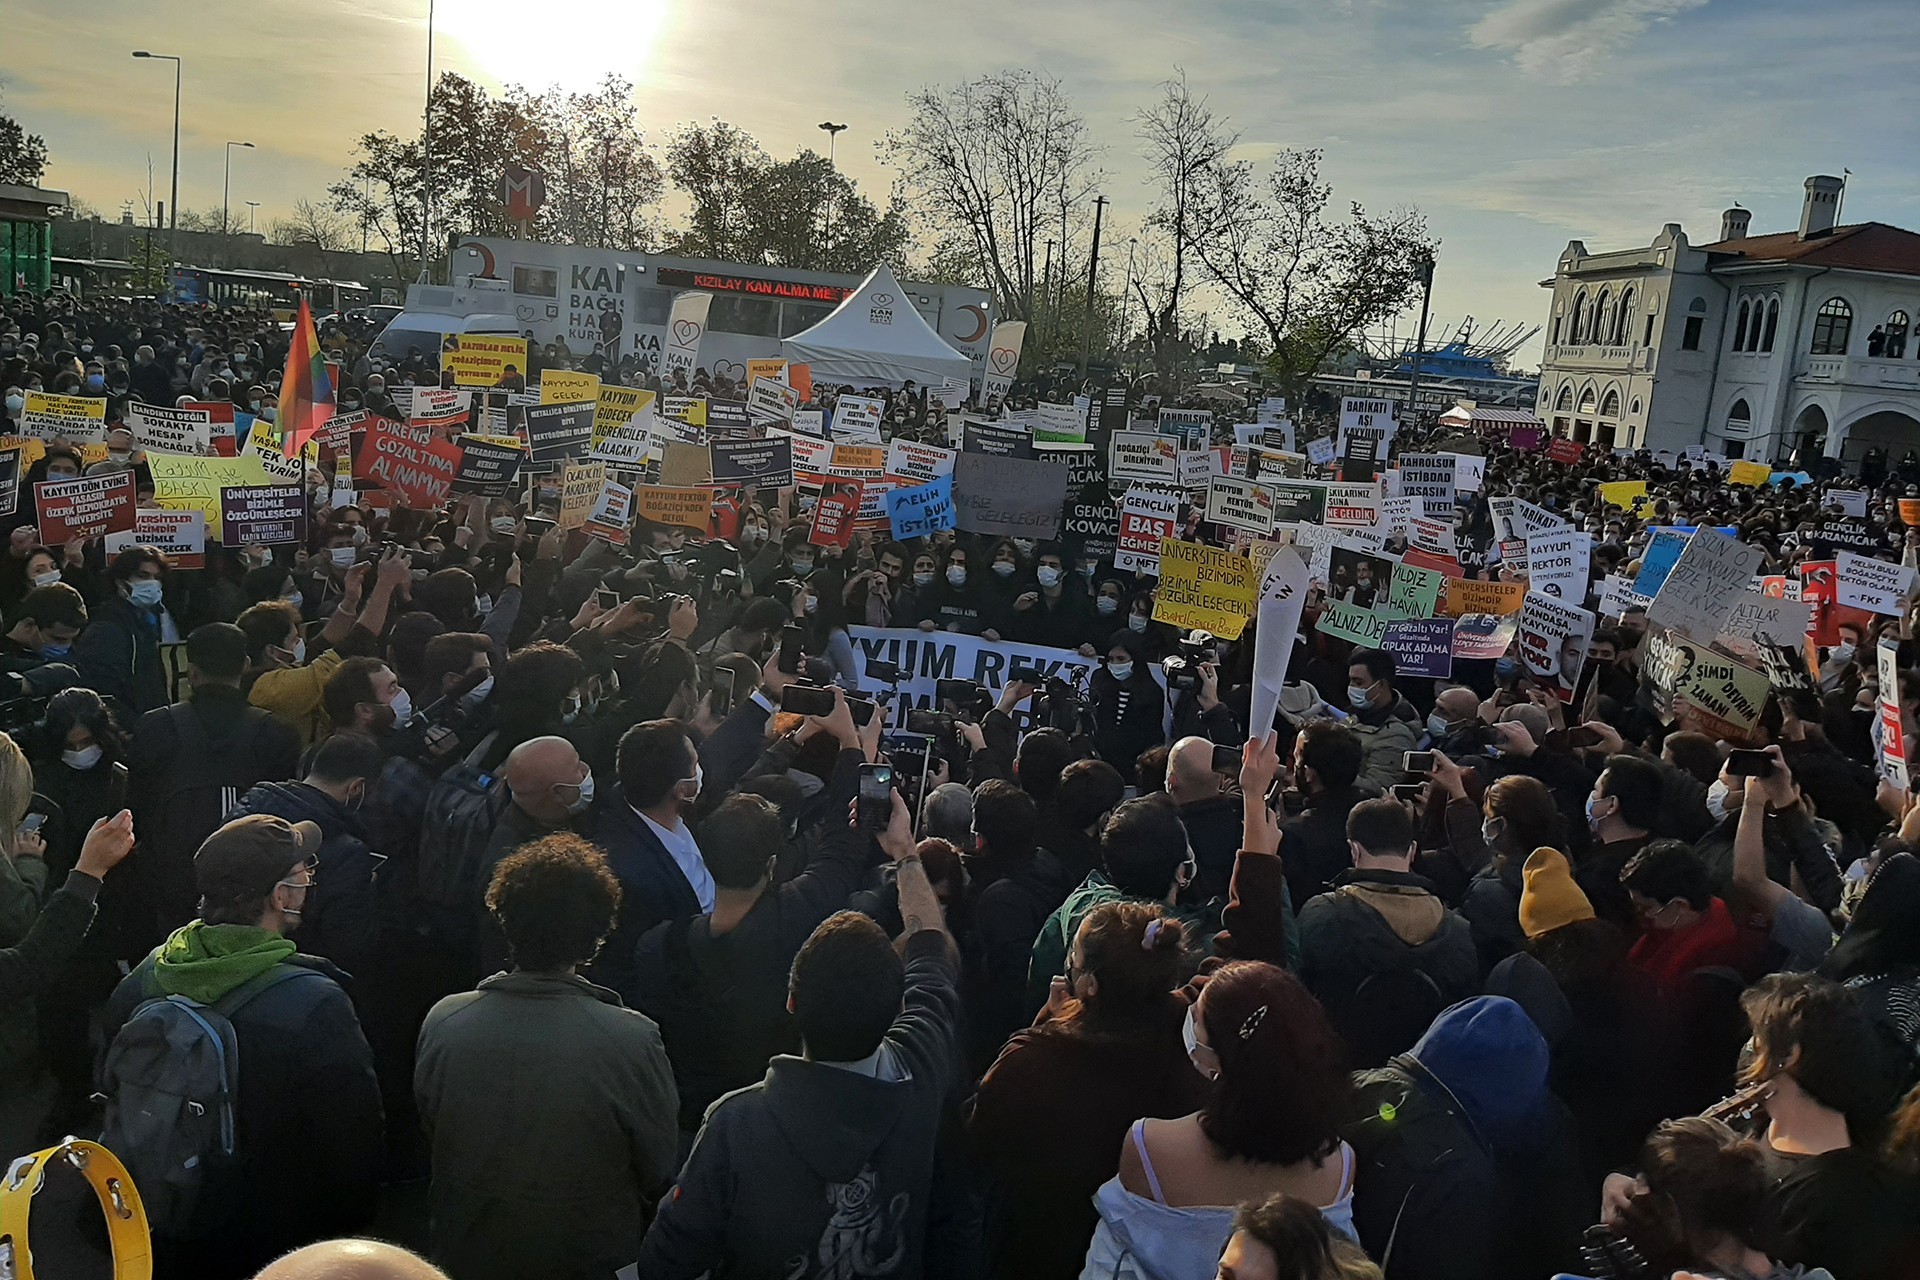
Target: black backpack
[198, 791]
[463, 808]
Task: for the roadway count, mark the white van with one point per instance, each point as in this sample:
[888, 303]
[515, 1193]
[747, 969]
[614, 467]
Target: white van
[435, 310]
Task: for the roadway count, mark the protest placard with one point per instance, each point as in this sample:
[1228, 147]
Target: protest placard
[611, 518]
[1469, 471]
[682, 508]
[926, 657]
[1557, 564]
[263, 516]
[80, 419]
[771, 369]
[1759, 618]
[911, 460]
[811, 422]
[1724, 696]
[1466, 596]
[1146, 517]
[439, 410]
[769, 400]
[264, 440]
[686, 326]
[1188, 426]
[1361, 626]
[161, 430]
[872, 514]
[180, 536]
[760, 464]
[1427, 475]
[685, 466]
[918, 510]
[488, 465]
[1059, 423]
[1361, 453]
[1016, 497]
[1353, 505]
[617, 407]
[728, 417]
[858, 461]
[1203, 587]
[1421, 646]
[1142, 457]
[1299, 501]
[1849, 502]
[857, 419]
[1001, 439]
[1358, 413]
[1617, 596]
[1699, 592]
[1240, 504]
[1751, 474]
[561, 430]
[83, 508]
[194, 484]
[1320, 452]
[1625, 494]
[567, 386]
[409, 462]
[483, 360]
[835, 514]
[10, 460]
[1518, 518]
[1873, 585]
[1657, 561]
[1566, 452]
[1553, 642]
[1484, 636]
[1413, 592]
[691, 410]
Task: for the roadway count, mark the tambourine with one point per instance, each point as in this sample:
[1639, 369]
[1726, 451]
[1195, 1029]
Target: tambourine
[119, 1205]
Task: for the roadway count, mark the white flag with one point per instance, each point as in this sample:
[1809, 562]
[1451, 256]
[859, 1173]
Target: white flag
[686, 325]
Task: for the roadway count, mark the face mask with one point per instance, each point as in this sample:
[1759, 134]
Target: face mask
[86, 348]
[55, 652]
[812, 605]
[269, 411]
[1436, 726]
[342, 557]
[1360, 699]
[483, 605]
[146, 592]
[1121, 671]
[1191, 1039]
[1004, 569]
[1841, 653]
[699, 780]
[15, 404]
[299, 651]
[753, 535]
[1490, 832]
[96, 381]
[1107, 606]
[402, 708]
[957, 575]
[478, 694]
[1505, 668]
[359, 535]
[1087, 570]
[1138, 622]
[239, 357]
[802, 567]
[1047, 576]
[50, 578]
[1025, 545]
[1593, 823]
[582, 801]
[298, 599]
[922, 579]
[502, 524]
[1717, 800]
[85, 758]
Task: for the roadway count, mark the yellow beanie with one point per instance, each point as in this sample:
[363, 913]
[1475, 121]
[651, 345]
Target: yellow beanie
[1548, 896]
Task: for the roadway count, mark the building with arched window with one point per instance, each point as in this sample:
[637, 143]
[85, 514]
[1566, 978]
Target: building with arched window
[1781, 347]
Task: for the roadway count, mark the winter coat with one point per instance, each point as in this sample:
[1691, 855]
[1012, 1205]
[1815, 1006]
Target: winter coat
[341, 921]
[1386, 736]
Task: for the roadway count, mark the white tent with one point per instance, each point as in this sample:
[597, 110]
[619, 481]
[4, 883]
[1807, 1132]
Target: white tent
[876, 337]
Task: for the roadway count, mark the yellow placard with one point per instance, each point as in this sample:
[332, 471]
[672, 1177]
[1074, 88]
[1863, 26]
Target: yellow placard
[617, 407]
[580, 484]
[47, 416]
[1753, 474]
[564, 386]
[691, 410]
[183, 483]
[1466, 596]
[775, 369]
[685, 465]
[1624, 494]
[684, 508]
[483, 360]
[1210, 588]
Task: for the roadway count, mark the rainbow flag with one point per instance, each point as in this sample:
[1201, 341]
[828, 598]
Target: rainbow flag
[306, 393]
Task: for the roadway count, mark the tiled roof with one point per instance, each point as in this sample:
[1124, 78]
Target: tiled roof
[1863, 246]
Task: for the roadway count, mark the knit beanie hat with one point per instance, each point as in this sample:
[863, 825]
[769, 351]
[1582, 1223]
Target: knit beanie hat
[1548, 896]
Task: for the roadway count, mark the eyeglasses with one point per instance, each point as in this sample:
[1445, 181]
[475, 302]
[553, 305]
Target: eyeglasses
[311, 867]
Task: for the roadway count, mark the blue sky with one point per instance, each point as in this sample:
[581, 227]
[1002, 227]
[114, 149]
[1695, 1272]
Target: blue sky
[1515, 125]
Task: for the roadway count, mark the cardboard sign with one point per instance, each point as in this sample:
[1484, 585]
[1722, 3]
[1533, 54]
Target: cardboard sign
[763, 464]
[1518, 518]
[1352, 623]
[691, 410]
[1483, 636]
[483, 360]
[1240, 504]
[263, 515]
[1553, 642]
[918, 510]
[1059, 423]
[1353, 506]
[181, 536]
[1414, 592]
[565, 386]
[1320, 451]
[1146, 517]
[682, 508]
[80, 419]
[1725, 696]
[1358, 413]
[835, 514]
[812, 422]
[611, 518]
[912, 460]
[1849, 502]
[1566, 452]
[685, 466]
[1710, 575]
[1299, 501]
[1015, 497]
[1557, 564]
[439, 410]
[1910, 511]
[616, 408]
[1873, 585]
[194, 484]
[1657, 561]
[1892, 749]
[1427, 475]
[1143, 457]
[87, 507]
[1205, 588]
[487, 466]
[561, 430]
[996, 439]
[9, 481]
[1628, 495]
[728, 417]
[857, 419]
[408, 462]
[1761, 618]
[161, 430]
[1421, 646]
[1465, 596]
[1751, 474]
[769, 400]
[858, 461]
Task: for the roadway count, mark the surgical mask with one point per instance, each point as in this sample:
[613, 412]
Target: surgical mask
[239, 357]
[1436, 726]
[402, 708]
[146, 592]
[298, 599]
[1120, 670]
[50, 578]
[15, 404]
[502, 524]
[86, 348]
[1107, 606]
[1360, 699]
[802, 567]
[1490, 831]
[84, 758]
[1025, 545]
[269, 412]
[584, 800]
[483, 605]
[813, 605]
[1138, 622]
[299, 651]
[1004, 568]
[1505, 668]
[478, 694]
[1592, 821]
[1840, 653]
[96, 381]
[699, 779]
[957, 575]
[342, 557]
[1717, 800]
[55, 652]
[359, 535]
[753, 535]
[570, 711]
[1191, 1039]
[1047, 576]
[922, 579]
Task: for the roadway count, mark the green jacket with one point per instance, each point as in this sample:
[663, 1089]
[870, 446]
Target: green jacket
[1056, 936]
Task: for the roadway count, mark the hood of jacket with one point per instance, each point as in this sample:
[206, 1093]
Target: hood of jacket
[835, 1119]
[1405, 901]
[298, 802]
[204, 961]
[1488, 1054]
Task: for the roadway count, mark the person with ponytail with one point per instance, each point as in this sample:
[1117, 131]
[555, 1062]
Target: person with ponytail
[1051, 1112]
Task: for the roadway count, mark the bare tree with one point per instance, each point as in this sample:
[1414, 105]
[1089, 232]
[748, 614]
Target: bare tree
[1184, 143]
[315, 228]
[994, 169]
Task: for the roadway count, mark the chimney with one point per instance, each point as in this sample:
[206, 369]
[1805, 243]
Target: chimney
[1822, 206]
[1733, 223]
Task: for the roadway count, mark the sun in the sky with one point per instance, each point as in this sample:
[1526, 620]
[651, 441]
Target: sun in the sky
[570, 43]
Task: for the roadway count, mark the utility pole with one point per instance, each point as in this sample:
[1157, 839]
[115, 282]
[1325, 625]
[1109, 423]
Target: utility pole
[833, 132]
[1420, 343]
[226, 186]
[1093, 272]
[253, 207]
[1046, 281]
[173, 197]
[426, 165]
[1126, 294]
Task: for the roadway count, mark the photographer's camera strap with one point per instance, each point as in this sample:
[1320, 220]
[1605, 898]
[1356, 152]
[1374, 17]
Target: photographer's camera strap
[119, 1205]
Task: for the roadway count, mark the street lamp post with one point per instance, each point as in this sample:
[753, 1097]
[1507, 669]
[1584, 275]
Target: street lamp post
[833, 132]
[1425, 267]
[173, 208]
[226, 186]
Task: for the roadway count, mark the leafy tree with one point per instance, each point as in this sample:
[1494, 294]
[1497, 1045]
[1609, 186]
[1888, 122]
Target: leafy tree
[601, 177]
[1184, 143]
[23, 155]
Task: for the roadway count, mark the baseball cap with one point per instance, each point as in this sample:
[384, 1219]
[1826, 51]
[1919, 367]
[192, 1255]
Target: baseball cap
[245, 858]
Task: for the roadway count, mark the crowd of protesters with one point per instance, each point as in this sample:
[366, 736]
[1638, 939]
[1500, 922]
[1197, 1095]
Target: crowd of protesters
[498, 853]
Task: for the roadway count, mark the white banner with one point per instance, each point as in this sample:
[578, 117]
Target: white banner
[686, 325]
[1003, 358]
[925, 657]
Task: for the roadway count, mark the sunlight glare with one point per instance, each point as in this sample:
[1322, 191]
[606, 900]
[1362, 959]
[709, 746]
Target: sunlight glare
[571, 43]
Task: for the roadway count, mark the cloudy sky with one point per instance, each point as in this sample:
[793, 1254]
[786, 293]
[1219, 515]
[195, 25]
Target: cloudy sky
[1516, 125]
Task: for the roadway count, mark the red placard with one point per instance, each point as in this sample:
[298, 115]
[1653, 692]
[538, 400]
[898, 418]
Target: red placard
[84, 508]
[834, 515]
[1567, 451]
[408, 461]
[1446, 565]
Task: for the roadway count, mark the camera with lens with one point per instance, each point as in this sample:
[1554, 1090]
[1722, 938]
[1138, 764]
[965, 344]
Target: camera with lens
[447, 726]
[1183, 665]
